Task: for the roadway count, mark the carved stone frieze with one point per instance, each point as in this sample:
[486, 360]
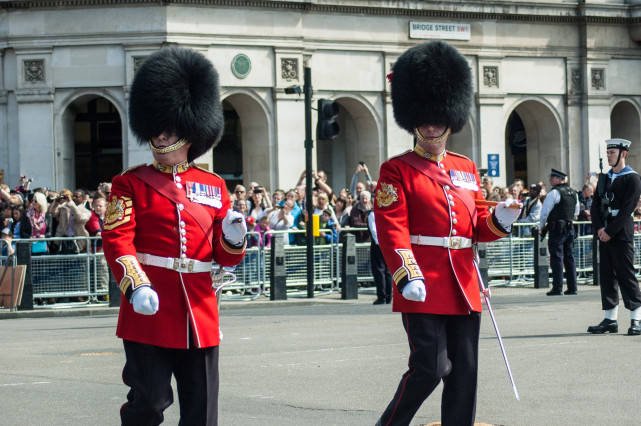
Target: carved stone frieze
[289, 69]
[491, 76]
[598, 78]
[34, 70]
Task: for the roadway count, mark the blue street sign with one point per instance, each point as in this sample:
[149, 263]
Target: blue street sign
[493, 165]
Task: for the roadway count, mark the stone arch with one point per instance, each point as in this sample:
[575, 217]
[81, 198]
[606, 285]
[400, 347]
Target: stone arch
[545, 147]
[626, 124]
[255, 138]
[360, 139]
[69, 168]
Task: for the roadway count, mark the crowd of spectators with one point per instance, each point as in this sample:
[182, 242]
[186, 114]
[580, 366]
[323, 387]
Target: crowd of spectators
[285, 209]
[39, 213]
[533, 196]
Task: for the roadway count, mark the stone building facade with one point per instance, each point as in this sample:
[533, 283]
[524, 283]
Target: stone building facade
[553, 80]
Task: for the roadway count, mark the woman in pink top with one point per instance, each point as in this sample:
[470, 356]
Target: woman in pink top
[36, 215]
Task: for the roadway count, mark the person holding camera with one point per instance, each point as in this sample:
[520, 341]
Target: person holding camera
[362, 167]
[71, 214]
[282, 218]
[558, 211]
[259, 202]
[617, 195]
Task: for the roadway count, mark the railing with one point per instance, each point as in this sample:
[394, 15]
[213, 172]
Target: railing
[511, 259]
[78, 278]
[83, 277]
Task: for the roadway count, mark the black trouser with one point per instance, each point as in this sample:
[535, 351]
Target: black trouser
[381, 273]
[441, 347]
[617, 272]
[148, 371]
[561, 246]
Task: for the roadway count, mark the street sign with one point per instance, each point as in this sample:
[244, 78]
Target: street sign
[493, 165]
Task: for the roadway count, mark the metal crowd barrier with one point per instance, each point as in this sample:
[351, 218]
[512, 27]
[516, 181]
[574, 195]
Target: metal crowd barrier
[254, 271]
[75, 278]
[511, 259]
[83, 277]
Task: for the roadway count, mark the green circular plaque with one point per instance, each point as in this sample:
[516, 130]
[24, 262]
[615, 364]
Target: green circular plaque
[241, 65]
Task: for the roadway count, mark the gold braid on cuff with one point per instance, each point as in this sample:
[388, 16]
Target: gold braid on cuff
[177, 145]
[445, 134]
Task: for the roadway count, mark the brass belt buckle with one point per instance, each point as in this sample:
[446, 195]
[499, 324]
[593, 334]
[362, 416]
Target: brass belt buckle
[175, 266]
[455, 243]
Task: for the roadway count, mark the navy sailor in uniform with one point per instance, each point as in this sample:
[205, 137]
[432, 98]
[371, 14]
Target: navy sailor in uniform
[616, 196]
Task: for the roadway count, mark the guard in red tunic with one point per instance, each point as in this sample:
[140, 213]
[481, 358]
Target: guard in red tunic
[427, 225]
[165, 225]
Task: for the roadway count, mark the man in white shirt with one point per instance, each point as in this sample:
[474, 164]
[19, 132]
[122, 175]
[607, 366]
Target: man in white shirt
[282, 218]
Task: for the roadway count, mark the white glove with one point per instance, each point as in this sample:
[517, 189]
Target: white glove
[505, 214]
[145, 300]
[415, 290]
[234, 227]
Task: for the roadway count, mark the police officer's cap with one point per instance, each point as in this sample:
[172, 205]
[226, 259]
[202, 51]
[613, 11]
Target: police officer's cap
[177, 89]
[623, 144]
[557, 173]
[431, 84]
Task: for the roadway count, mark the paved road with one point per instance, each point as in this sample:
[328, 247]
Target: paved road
[335, 363]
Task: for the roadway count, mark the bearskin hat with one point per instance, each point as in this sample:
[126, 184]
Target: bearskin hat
[177, 89]
[432, 84]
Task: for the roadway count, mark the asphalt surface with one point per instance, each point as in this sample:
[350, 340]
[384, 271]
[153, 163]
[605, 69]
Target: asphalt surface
[325, 361]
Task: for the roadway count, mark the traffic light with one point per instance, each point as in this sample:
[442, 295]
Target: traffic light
[327, 128]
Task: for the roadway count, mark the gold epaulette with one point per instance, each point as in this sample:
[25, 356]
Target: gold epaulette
[456, 154]
[196, 166]
[398, 155]
[132, 168]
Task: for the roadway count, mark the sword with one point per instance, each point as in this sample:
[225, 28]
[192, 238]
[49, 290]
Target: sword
[496, 328]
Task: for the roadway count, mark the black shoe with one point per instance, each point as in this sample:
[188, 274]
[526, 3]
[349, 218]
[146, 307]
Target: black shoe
[388, 301]
[635, 328]
[379, 302]
[610, 326]
[553, 293]
[570, 292]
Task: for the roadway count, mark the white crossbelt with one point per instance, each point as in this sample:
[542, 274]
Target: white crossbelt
[175, 264]
[447, 242]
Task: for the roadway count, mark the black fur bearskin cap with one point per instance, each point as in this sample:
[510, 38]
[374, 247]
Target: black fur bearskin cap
[177, 89]
[432, 84]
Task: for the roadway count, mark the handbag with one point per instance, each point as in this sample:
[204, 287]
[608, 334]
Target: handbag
[39, 247]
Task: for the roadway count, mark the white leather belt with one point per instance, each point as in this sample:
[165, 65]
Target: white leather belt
[454, 243]
[173, 263]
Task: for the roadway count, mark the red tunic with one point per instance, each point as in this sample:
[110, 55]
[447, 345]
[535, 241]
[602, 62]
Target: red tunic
[141, 220]
[410, 203]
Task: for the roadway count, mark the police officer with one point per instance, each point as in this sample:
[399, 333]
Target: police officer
[560, 207]
[618, 192]
[427, 223]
